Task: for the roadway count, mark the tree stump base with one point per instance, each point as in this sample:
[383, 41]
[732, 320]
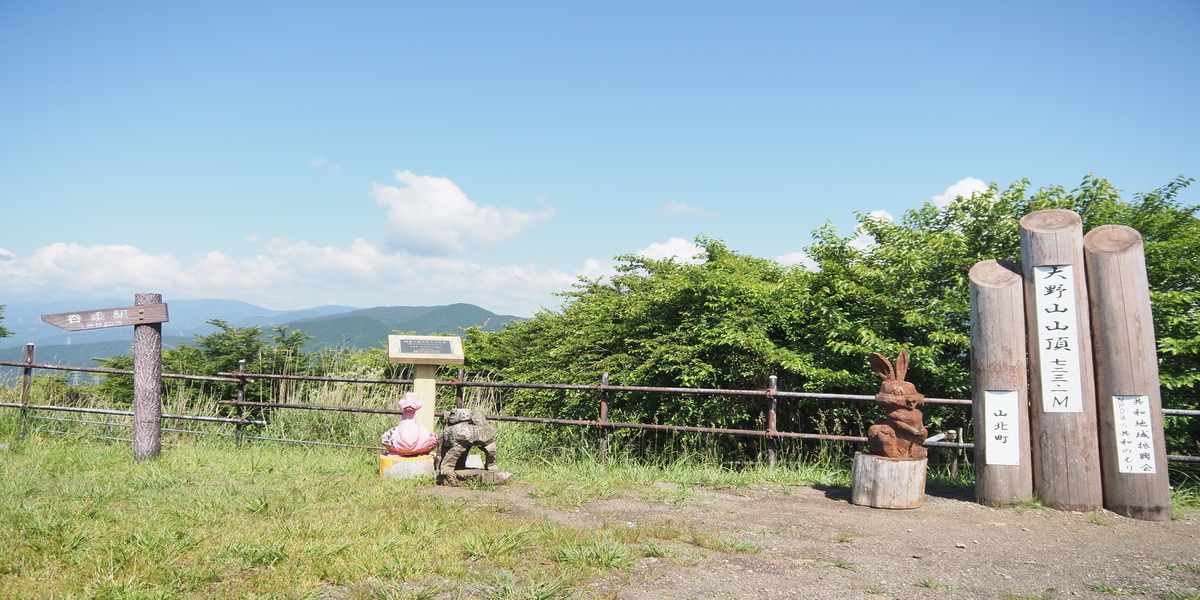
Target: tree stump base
[882, 482]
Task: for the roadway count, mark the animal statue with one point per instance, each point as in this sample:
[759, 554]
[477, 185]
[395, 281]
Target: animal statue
[901, 433]
[409, 438]
[465, 429]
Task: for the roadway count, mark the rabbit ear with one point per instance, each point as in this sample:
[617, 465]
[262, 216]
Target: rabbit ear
[883, 366]
[902, 365]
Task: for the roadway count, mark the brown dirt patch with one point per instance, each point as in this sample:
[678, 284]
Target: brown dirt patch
[815, 544]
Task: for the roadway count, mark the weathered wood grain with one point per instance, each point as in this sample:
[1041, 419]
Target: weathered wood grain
[1126, 365]
[998, 364]
[882, 482]
[147, 375]
[100, 318]
[1066, 459]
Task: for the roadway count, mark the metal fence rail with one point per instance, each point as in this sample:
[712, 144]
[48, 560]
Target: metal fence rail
[602, 390]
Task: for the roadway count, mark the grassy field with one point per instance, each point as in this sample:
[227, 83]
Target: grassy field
[80, 519]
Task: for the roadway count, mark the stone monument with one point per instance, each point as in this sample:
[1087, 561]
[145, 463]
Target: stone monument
[465, 429]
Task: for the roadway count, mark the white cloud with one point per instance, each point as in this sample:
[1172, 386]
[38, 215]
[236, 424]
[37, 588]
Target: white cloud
[293, 273]
[798, 258]
[432, 216]
[6, 255]
[330, 167]
[863, 240]
[679, 209]
[965, 188]
[680, 249]
[597, 269]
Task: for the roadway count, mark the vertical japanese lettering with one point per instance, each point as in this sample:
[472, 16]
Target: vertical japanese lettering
[1135, 445]
[1002, 443]
[1058, 338]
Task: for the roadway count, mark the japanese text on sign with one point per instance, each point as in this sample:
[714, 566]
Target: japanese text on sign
[425, 347]
[1001, 428]
[1135, 443]
[1058, 338]
[99, 319]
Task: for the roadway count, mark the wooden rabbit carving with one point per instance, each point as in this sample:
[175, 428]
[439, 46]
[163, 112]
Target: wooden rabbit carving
[901, 433]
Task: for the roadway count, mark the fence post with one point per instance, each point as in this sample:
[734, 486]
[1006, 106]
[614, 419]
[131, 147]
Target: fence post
[603, 418]
[27, 380]
[241, 397]
[458, 389]
[772, 443]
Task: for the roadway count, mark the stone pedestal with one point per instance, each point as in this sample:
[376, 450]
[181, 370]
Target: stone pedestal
[882, 482]
[405, 467]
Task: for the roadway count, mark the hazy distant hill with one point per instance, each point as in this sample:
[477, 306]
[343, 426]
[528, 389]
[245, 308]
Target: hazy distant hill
[369, 326]
[188, 317]
[330, 326]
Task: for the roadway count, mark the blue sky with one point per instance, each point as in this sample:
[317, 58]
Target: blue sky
[394, 153]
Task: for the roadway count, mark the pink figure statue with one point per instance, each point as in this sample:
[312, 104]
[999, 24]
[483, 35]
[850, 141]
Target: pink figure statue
[409, 438]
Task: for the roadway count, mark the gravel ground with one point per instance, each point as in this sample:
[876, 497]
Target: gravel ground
[815, 544]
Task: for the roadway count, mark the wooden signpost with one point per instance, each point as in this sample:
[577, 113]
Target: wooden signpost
[1132, 447]
[999, 378]
[425, 353]
[1066, 456]
[146, 315]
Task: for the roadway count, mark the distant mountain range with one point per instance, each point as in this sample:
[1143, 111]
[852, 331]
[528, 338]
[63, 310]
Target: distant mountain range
[330, 326]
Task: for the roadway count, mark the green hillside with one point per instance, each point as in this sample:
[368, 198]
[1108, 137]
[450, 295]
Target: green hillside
[369, 327]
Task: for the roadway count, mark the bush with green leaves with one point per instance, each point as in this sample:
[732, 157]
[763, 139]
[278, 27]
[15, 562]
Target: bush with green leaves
[733, 320]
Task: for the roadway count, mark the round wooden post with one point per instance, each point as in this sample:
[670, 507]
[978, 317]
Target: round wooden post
[1132, 448]
[772, 421]
[999, 380]
[1066, 457]
[147, 389]
[26, 382]
[603, 418]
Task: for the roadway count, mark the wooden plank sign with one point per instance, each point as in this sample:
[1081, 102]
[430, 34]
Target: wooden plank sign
[108, 317]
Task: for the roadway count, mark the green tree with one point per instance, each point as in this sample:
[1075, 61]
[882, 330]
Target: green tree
[210, 354]
[3, 332]
[733, 320]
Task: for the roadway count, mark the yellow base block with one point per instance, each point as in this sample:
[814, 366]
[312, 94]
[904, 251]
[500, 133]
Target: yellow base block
[404, 467]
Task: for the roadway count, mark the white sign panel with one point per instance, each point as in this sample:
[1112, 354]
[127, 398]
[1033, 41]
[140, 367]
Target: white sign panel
[1001, 428]
[1058, 338]
[1135, 443]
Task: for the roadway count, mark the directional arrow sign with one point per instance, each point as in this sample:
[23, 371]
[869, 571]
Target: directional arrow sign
[108, 317]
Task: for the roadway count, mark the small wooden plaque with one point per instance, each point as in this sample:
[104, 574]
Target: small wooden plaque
[100, 318]
[425, 350]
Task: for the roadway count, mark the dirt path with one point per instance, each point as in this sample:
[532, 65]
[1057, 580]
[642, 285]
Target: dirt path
[817, 545]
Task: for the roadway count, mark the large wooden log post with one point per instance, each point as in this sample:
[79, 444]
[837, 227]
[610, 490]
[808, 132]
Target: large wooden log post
[147, 388]
[999, 380]
[1066, 457]
[1133, 454]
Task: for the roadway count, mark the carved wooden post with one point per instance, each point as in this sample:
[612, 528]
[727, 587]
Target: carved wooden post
[1132, 448]
[147, 388]
[999, 380]
[1066, 459]
[26, 382]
